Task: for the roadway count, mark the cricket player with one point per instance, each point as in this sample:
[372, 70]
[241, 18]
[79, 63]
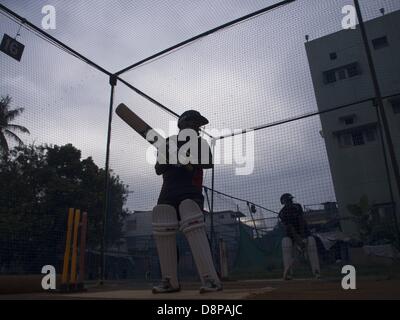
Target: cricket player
[180, 207]
[297, 236]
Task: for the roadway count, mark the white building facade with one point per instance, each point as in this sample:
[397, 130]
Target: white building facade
[353, 139]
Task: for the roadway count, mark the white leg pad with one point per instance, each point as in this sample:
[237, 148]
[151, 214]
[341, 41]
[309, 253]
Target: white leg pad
[165, 227]
[312, 252]
[287, 254]
[193, 226]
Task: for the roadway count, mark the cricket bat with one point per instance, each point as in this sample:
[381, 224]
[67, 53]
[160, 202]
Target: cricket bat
[141, 127]
[137, 123]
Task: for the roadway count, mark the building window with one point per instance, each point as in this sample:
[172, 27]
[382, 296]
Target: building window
[370, 134]
[357, 137]
[333, 56]
[380, 43]
[353, 70]
[395, 105]
[348, 120]
[341, 73]
[330, 76]
[346, 140]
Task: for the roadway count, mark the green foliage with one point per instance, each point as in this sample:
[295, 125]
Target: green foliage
[361, 214]
[7, 130]
[39, 183]
[373, 229]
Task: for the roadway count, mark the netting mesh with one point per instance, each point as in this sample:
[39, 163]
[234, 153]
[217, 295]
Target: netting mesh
[60, 95]
[255, 73]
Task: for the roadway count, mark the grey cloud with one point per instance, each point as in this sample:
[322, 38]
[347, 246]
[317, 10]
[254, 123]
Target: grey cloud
[250, 74]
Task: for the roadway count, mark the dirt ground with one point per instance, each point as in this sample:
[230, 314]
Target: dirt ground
[300, 289]
[332, 290]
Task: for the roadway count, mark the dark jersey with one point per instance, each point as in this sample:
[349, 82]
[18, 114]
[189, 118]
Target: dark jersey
[292, 217]
[183, 182]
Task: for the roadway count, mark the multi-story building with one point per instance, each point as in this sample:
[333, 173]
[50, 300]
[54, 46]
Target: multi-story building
[323, 217]
[353, 138]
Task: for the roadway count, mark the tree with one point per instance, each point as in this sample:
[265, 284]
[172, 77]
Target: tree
[7, 115]
[37, 186]
[361, 215]
[372, 227]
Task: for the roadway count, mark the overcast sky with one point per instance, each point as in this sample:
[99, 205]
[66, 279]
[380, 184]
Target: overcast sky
[250, 74]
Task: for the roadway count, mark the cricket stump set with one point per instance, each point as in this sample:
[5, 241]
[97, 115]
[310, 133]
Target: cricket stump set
[73, 274]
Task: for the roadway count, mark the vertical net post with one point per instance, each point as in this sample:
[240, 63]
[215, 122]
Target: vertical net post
[213, 141]
[82, 252]
[113, 83]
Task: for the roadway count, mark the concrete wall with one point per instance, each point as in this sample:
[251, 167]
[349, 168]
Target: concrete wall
[357, 170]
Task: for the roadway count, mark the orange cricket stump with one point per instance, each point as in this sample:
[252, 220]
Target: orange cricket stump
[64, 277]
[72, 279]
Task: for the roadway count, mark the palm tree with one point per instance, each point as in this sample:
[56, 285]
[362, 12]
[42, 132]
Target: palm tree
[6, 128]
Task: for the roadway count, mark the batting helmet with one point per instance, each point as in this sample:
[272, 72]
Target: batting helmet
[190, 119]
[286, 197]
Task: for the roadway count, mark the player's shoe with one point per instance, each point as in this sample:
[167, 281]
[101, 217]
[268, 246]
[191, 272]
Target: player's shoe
[165, 287]
[210, 285]
[317, 275]
[287, 275]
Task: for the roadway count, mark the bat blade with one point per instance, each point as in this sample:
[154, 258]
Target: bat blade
[141, 127]
[137, 123]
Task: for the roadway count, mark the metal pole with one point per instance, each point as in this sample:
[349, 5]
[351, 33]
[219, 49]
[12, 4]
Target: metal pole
[387, 169]
[212, 197]
[207, 198]
[381, 108]
[113, 83]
